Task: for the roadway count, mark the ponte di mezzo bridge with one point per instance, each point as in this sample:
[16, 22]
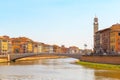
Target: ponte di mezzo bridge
[14, 57]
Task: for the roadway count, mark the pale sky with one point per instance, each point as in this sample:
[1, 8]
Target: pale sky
[61, 22]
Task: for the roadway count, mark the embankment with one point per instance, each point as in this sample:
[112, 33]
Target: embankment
[106, 59]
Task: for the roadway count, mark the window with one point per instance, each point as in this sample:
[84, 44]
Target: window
[118, 34]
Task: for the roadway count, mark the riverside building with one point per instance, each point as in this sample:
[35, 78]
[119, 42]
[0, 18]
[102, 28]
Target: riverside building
[106, 41]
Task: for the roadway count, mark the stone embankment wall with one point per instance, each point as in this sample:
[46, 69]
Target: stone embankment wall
[102, 59]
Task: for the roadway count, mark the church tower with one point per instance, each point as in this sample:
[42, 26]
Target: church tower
[95, 24]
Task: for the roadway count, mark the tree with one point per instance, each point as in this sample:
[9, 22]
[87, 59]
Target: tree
[85, 45]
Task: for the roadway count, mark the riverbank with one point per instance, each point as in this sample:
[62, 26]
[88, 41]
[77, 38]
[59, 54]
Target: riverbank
[3, 60]
[99, 65]
[103, 59]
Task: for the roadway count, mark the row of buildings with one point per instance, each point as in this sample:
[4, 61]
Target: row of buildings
[106, 41]
[25, 45]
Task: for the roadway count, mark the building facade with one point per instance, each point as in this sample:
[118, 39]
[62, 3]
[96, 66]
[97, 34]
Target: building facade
[115, 38]
[5, 45]
[105, 40]
[22, 45]
[29, 47]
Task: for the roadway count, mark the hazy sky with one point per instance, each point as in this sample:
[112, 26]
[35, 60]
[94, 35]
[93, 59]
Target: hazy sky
[62, 22]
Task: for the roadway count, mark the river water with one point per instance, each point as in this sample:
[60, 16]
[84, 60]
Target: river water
[53, 69]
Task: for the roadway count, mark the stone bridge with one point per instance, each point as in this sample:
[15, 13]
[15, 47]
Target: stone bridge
[13, 57]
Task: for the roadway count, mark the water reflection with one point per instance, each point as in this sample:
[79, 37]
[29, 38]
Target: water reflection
[108, 74]
[53, 69]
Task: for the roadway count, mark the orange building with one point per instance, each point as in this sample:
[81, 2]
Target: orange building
[57, 49]
[63, 49]
[115, 38]
[22, 45]
[15, 45]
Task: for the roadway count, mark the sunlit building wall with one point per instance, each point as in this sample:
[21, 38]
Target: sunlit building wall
[5, 45]
[29, 47]
[115, 38]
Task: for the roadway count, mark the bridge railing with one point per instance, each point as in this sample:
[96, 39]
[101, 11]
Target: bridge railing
[11, 57]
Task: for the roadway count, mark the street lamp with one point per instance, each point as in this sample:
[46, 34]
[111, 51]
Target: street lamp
[85, 46]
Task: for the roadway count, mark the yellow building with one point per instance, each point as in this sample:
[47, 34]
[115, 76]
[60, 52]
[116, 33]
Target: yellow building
[40, 47]
[57, 49]
[30, 47]
[46, 48]
[5, 45]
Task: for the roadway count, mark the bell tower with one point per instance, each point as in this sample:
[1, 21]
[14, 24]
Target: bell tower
[95, 27]
[95, 24]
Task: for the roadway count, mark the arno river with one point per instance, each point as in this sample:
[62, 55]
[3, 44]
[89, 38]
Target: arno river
[53, 69]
